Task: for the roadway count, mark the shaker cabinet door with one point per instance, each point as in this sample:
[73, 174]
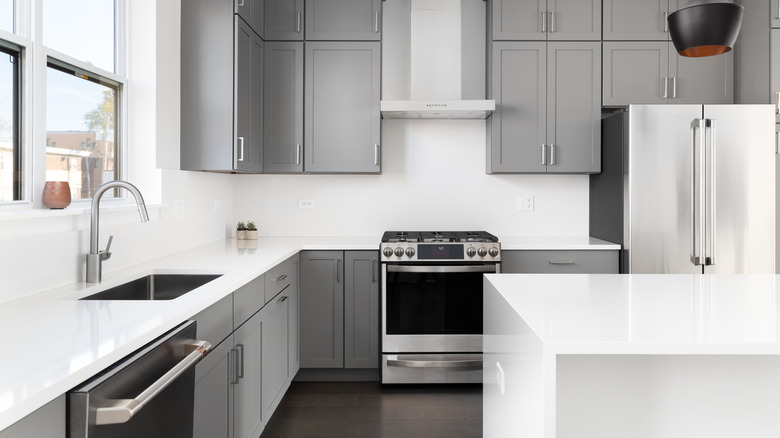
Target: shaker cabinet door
[636, 20]
[342, 20]
[635, 72]
[283, 93]
[322, 309]
[361, 309]
[283, 20]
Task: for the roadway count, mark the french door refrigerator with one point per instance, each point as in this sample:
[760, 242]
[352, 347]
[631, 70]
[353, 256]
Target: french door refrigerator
[688, 188]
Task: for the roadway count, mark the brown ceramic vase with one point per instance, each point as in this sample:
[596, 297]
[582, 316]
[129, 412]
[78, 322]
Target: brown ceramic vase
[56, 194]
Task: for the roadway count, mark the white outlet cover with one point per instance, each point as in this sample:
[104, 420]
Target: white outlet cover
[525, 203]
[306, 203]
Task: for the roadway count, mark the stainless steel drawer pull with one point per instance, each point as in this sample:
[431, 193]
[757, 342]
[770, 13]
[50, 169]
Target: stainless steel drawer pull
[552, 155]
[122, 410]
[376, 22]
[281, 277]
[544, 154]
[240, 360]
[240, 148]
[561, 262]
[777, 103]
[674, 87]
[666, 88]
[376, 154]
[552, 21]
[283, 299]
[470, 364]
[544, 21]
[665, 24]
[298, 21]
[490, 269]
[298, 154]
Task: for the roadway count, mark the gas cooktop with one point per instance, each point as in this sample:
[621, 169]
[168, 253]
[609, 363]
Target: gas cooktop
[449, 246]
[438, 236]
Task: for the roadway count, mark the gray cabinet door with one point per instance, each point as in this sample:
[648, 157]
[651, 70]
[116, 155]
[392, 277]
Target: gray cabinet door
[339, 20]
[574, 107]
[519, 19]
[275, 317]
[47, 421]
[636, 20]
[214, 393]
[775, 13]
[248, 154]
[774, 69]
[283, 124]
[293, 328]
[247, 395]
[635, 72]
[518, 128]
[252, 12]
[283, 20]
[322, 309]
[701, 80]
[574, 20]
[341, 117]
[361, 309]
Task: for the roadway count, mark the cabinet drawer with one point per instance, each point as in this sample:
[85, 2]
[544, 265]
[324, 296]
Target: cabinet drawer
[279, 277]
[215, 323]
[248, 300]
[560, 262]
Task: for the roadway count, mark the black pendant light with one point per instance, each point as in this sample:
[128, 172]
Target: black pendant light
[705, 29]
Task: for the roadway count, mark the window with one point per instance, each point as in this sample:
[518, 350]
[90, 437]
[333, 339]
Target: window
[10, 147]
[7, 15]
[83, 29]
[80, 110]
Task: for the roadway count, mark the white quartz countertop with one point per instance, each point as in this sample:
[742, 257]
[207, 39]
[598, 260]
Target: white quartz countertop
[54, 341]
[647, 314]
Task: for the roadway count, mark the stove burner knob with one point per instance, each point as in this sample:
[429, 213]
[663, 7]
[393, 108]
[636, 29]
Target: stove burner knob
[388, 252]
[482, 252]
[399, 252]
[493, 252]
[410, 251]
[471, 252]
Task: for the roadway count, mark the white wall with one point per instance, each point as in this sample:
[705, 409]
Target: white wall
[433, 178]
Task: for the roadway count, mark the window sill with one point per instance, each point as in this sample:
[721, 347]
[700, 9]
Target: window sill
[75, 209]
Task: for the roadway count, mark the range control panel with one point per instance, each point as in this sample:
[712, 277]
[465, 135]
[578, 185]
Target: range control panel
[440, 251]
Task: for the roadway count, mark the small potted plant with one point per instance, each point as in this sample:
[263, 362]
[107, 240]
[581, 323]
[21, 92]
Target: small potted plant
[241, 231]
[251, 231]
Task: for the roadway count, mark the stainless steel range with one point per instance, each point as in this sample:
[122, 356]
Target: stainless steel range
[432, 304]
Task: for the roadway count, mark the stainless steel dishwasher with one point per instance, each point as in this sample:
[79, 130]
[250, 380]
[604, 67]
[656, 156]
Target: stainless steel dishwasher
[148, 394]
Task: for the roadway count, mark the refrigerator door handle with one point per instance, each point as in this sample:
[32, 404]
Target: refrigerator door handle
[710, 259]
[697, 198]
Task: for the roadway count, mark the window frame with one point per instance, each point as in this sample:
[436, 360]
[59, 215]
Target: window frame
[16, 140]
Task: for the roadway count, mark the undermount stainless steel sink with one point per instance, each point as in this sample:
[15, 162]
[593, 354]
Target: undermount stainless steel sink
[154, 287]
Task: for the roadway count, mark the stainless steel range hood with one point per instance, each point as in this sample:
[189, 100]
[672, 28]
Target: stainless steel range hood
[434, 60]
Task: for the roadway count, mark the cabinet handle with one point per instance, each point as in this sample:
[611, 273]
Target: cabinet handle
[298, 21]
[376, 22]
[233, 358]
[666, 89]
[298, 154]
[281, 277]
[544, 21]
[561, 262]
[240, 361]
[674, 87]
[376, 154]
[374, 269]
[544, 154]
[665, 23]
[282, 299]
[240, 148]
[777, 103]
[552, 155]
[552, 21]
[338, 270]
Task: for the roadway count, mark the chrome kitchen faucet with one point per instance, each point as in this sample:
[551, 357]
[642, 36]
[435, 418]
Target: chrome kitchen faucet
[95, 257]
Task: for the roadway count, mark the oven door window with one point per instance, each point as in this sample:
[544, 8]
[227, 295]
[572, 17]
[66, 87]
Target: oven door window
[433, 303]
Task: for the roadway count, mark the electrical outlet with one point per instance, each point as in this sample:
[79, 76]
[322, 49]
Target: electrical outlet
[178, 209]
[525, 203]
[217, 204]
[306, 203]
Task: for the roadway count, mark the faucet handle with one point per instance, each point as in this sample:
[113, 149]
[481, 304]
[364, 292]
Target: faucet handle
[105, 255]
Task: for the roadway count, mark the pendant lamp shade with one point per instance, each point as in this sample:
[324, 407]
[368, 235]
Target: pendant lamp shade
[705, 29]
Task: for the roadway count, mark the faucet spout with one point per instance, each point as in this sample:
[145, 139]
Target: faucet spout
[96, 257]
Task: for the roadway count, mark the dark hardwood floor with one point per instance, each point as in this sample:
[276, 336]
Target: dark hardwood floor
[368, 409]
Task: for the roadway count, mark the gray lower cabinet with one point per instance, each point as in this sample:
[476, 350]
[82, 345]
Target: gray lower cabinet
[276, 333]
[213, 408]
[339, 309]
[47, 421]
[637, 20]
[559, 262]
[651, 72]
[221, 89]
[283, 92]
[339, 20]
[546, 19]
[341, 107]
[248, 420]
[252, 12]
[283, 20]
[548, 108]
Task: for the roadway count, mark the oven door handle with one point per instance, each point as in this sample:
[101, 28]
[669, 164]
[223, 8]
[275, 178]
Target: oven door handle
[442, 269]
[470, 364]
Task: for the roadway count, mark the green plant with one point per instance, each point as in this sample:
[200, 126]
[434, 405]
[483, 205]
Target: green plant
[251, 226]
[241, 226]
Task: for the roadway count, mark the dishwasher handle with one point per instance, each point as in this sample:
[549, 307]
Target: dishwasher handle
[122, 410]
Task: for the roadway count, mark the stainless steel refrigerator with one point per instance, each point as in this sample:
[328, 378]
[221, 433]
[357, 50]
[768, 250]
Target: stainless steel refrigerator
[688, 188]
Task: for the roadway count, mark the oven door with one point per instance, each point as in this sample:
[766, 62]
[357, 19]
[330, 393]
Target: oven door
[433, 308]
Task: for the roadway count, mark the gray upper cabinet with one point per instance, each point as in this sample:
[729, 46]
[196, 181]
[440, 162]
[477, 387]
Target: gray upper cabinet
[322, 309]
[361, 309]
[774, 69]
[652, 72]
[338, 20]
[341, 107]
[283, 91]
[221, 89]
[548, 107]
[252, 12]
[637, 19]
[546, 19]
[283, 20]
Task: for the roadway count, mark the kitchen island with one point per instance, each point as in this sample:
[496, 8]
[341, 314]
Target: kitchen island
[631, 355]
